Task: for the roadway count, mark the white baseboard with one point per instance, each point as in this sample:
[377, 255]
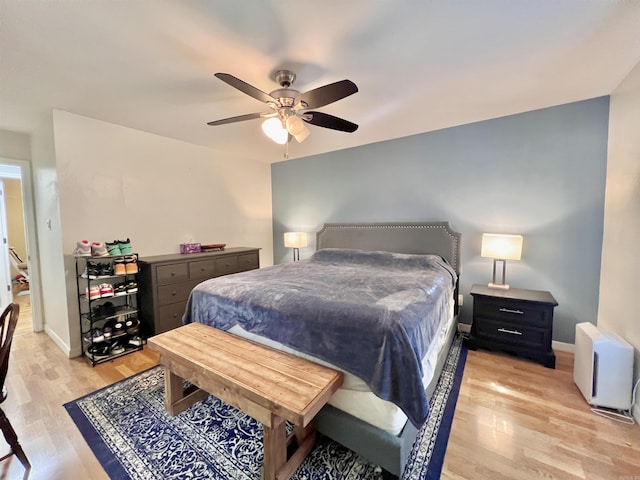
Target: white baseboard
[563, 347]
[63, 346]
[464, 327]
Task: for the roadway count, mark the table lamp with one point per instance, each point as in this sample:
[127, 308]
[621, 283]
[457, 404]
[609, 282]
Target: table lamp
[501, 248]
[295, 240]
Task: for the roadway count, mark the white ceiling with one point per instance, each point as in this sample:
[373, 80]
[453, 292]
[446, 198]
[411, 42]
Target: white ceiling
[419, 65]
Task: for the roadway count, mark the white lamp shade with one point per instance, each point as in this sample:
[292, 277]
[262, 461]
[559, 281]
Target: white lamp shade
[503, 247]
[295, 239]
[297, 128]
[273, 129]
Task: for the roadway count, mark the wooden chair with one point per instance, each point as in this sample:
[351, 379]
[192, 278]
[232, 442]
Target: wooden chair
[8, 321]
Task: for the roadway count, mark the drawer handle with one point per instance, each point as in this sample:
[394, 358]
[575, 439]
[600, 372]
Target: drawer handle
[512, 332]
[508, 310]
[174, 293]
[173, 274]
[175, 315]
[227, 265]
[202, 269]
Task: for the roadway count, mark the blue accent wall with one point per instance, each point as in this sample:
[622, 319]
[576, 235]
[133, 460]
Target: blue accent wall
[540, 174]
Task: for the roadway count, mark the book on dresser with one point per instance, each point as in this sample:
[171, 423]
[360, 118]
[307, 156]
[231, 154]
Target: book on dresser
[165, 282]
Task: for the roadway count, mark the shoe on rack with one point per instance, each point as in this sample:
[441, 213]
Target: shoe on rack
[109, 309]
[132, 287]
[120, 289]
[83, 249]
[125, 246]
[135, 341]
[97, 352]
[93, 292]
[117, 347]
[94, 336]
[131, 324]
[91, 270]
[98, 249]
[118, 327]
[109, 329]
[106, 270]
[113, 248]
[131, 264]
[119, 267]
[97, 312]
[106, 290]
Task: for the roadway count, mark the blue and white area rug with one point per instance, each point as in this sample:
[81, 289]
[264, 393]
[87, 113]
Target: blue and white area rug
[126, 426]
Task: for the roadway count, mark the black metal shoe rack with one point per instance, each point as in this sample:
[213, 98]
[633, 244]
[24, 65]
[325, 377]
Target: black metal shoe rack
[118, 313]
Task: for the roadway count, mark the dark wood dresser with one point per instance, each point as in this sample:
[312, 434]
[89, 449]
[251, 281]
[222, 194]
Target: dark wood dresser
[165, 281]
[517, 321]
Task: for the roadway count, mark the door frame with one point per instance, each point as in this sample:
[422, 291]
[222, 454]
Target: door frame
[31, 234]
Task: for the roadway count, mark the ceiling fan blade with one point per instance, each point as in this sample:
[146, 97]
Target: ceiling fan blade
[327, 94]
[325, 120]
[239, 118]
[246, 88]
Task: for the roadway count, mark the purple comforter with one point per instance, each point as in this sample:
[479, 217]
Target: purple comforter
[372, 314]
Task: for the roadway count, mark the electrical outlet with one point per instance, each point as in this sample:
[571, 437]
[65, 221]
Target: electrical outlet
[460, 300]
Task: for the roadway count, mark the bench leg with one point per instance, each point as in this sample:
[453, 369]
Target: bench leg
[275, 448]
[276, 464]
[176, 398]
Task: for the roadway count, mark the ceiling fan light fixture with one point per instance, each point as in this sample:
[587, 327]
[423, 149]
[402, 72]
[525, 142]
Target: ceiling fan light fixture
[297, 128]
[273, 129]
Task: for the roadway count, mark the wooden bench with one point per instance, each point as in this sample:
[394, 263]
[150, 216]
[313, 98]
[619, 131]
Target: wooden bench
[269, 385]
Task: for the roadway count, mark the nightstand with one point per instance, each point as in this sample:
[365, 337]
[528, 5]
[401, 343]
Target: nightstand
[516, 321]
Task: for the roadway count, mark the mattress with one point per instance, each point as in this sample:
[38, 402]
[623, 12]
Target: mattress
[355, 397]
[373, 314]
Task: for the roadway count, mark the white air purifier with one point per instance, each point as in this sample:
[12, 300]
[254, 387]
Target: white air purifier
[603, 367]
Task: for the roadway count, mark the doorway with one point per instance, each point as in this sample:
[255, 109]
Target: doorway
[18, 282]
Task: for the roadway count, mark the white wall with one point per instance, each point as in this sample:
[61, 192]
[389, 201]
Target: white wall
[14, 145]
[49, 235]
[619, 280]
[116, 182]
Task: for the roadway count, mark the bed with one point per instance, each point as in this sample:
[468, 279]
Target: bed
[390, 334]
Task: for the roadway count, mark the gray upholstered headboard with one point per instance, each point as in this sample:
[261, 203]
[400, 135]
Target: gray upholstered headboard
[430, 237]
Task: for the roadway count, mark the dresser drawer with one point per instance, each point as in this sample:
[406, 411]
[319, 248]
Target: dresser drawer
[202, 269]
[170, 317]
[226, 265]
[511, 333]
[249, 261]
[173, 273]
[532, 315]
[175, 293]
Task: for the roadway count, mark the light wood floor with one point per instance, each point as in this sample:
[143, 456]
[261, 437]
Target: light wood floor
[514, 419]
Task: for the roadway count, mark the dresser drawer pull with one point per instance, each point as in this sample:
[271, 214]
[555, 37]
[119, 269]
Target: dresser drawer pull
[202, 269]
[512, 332]
[508, 310]
[173, 274]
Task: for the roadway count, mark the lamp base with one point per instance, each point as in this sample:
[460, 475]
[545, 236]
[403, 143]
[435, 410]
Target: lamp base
[498, 286]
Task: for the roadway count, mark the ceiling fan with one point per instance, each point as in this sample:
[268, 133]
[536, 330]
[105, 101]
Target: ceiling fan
[290, 110]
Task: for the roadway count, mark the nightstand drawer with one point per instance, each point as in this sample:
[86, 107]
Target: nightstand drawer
[512, 311]
[511, 333]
